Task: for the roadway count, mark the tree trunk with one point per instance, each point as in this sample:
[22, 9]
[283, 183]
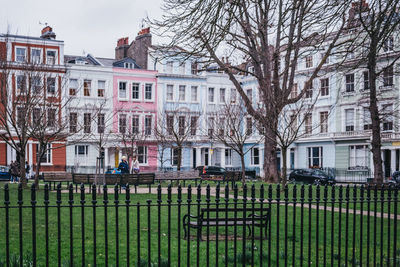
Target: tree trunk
[375, 120]
[270, 160]
[284, 167]
[243, 168]
[22, 172]
[178, 167]
[37, 170]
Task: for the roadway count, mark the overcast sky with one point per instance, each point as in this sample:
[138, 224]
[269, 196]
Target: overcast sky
[85, 26]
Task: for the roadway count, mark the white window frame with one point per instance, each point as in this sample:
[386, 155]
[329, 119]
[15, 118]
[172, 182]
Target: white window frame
[249, 94]
[135, 116]
[347, 123]
[48, 155]
[55, 57]
[89, 125]
[182, 97]
[40, 56]
[148, 127]
[55, 85]
[103, 88]
[194, 88]
[350, 84]
[145, 155]
[174, 156]
[126, 91]
[131, 91]
[90, 87]
[253, 157]
[169, 86]
[152, 92]
[73, 88]
[228, 156]
[310, 156]
[209, 95]
[85, 149]
[16, 55]
[324, 86]
[119, 122]
[222, 95]
[324, 126]
[354, 157]
[24, 80]
[233, 97]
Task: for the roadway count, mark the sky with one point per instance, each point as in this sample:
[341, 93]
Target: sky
[85, 26]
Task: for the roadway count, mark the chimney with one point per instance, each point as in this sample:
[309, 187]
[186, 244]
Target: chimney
[47, 33]
[140, 47]
[356, 8]
[122, 48]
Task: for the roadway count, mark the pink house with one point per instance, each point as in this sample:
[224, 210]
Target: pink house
[135, 114]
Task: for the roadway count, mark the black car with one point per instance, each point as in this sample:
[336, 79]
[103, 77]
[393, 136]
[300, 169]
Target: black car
[211, 171]
[4, 173]
[311, 176]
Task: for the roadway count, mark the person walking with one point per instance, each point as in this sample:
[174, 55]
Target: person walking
[135, 165]
[27, 170]
[11, 171]
[123, 165]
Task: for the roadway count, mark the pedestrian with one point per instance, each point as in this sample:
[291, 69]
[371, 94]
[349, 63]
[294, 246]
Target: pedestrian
[135, 165]
[11, 171]
[27, 170]
[123, 165]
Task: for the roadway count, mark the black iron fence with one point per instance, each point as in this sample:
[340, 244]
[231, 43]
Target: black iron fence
[200, 226]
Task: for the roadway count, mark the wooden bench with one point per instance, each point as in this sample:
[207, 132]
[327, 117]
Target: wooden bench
[257, 217]
[56, 177]
[112, 179]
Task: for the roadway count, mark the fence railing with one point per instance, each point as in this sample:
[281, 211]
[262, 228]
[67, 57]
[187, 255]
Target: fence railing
[264, 226]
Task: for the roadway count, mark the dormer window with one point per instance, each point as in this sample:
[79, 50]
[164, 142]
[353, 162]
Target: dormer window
[128, 65]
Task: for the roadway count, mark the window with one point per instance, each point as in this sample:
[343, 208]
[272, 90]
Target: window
[315, 157]
[51, 117]
[174, 156]
[194, 68]
[323, 120]
[87, 122]
[249, 126]
[211, 95]
[255, 156]
[325, 87]
[170, 124]
[46, 158]
[182, 68]
[308, 124]
[387, 120]
[148, 91]
[170, 92]
[20, 54]
[293, 92]
[309, 61]
[21, 84]
[170, 66]
[36, 55]
[228, 157]
[358, 156]
[309, 90]
[193, 125]
[349, 120]
[181, 125]
[193, 95]
[51, 57]
[135, 91]
[82, 150]
[249, 94]
[366, 80]
[388, 76]
[221, 126]
[73, 87]
[350, 83]
[142, 154]
[36, 84]
[233, 95]
[388, 44]
[122, 123]
[101, 88]
[367, 119]
[222, 95]
[135, 124]
[73, 122]
[51, 85]
[87, 87]
[122, 90]
[182, 93]
[292, 123]
[128, 65]
[211, 122]
[36, 116]
[147, 125]
[101, 123]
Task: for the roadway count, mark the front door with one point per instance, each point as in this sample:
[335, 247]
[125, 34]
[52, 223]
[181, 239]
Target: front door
[194, 158]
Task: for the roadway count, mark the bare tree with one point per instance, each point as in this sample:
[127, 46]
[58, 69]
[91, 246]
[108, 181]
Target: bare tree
[175, 127]
[29, 98]
[234, 128]
[271, 36]
[374, 27]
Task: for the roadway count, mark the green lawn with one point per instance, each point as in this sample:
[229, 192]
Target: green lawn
[304, 238]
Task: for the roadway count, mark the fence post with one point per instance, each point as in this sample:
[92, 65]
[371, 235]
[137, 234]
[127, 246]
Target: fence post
[294, 196]
[208, 199]
[317, 199]
[82, 202]
[244, 225]
[198, 236]
[116, 203]
[71, 224]
[127, 203]
[189, 200]
[169, 200]
[253, 200]
[340, 224]
[105, 203]
[20, 203]
[7, 203]
[309, 222]
[159, 223]
[269, 228]
[261, 199]
[179, 223]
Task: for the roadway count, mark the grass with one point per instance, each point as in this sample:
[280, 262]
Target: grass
[300, 233]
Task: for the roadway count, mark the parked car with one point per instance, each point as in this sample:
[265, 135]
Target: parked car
[311, 176]
[5, 173]
[211, 171]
